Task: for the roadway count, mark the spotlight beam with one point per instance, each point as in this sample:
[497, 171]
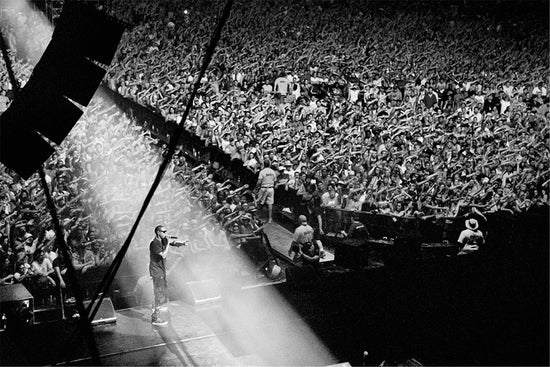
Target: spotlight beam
[171, 149]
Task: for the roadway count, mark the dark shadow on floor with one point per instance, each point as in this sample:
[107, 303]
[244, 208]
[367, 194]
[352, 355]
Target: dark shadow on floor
[174, 344]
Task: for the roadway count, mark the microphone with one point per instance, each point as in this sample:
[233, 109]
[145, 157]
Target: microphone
[173, 237]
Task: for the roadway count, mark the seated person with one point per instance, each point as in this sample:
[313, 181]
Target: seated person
[310, 254]
[305, 246]
[471, 238]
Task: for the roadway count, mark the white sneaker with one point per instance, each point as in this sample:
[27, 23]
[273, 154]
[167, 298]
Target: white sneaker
[287, 210]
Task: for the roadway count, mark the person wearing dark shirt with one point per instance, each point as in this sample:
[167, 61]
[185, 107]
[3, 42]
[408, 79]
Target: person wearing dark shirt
[357, 230]
[158, 251]
[60, 267]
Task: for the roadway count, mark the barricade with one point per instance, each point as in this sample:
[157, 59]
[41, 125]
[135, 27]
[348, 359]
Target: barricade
[502, 228]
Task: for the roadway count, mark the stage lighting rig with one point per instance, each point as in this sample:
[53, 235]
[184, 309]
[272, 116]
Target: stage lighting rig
[82, 46]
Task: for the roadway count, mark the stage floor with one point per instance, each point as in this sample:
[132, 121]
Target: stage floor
[195, 336]
[253, 327]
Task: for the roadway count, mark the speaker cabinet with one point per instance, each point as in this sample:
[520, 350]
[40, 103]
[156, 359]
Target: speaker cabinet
[404, 253]
[351, 253]
[105, 314]
[201, 292]
[302, 277]
[17, 303]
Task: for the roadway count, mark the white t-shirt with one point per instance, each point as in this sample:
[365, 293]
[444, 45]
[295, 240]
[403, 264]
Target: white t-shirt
[503, 106]
[471, 240]
[239, 77]
[281, 85]
[508, 89]
[353, 95]
[296, 90]
[480, 98]
[543, 91]
[44, 267]
[252, 163]
[328, 201]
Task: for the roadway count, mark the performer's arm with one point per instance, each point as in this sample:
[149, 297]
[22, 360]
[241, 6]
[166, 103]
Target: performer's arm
[165, 252]
[178, 243]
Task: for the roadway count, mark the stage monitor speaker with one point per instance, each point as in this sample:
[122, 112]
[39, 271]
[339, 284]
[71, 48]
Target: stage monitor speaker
[302, 277]
[439, 249]
[201, 292]
[403, 253]
[17, 304]
[351, 253]
[106, 313]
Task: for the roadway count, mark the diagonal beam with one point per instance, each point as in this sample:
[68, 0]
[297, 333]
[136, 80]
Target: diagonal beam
[171, 149]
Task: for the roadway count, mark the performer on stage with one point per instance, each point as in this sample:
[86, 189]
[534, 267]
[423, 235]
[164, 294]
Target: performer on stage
[158, 251]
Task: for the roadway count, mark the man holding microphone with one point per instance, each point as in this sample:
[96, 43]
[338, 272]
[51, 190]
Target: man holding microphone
[158, 251]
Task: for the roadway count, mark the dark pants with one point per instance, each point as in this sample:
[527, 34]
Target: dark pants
[159, 289]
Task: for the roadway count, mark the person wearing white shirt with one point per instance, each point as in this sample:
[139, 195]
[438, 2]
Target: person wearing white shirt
[508, 89]
[267, 88]
[540, 88]
[296, 90]
[504, 103]
[480, 98]
[471, 238]
[224, 142]
[477, 114]
[281, 85]
[467, 85]
[353, 93]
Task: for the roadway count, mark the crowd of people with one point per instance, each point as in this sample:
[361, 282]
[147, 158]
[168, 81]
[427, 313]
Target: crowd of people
[411, 111]
[383, 107]
[98, 180]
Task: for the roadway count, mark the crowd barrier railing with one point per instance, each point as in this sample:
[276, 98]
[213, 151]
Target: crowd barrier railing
[502, 227]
